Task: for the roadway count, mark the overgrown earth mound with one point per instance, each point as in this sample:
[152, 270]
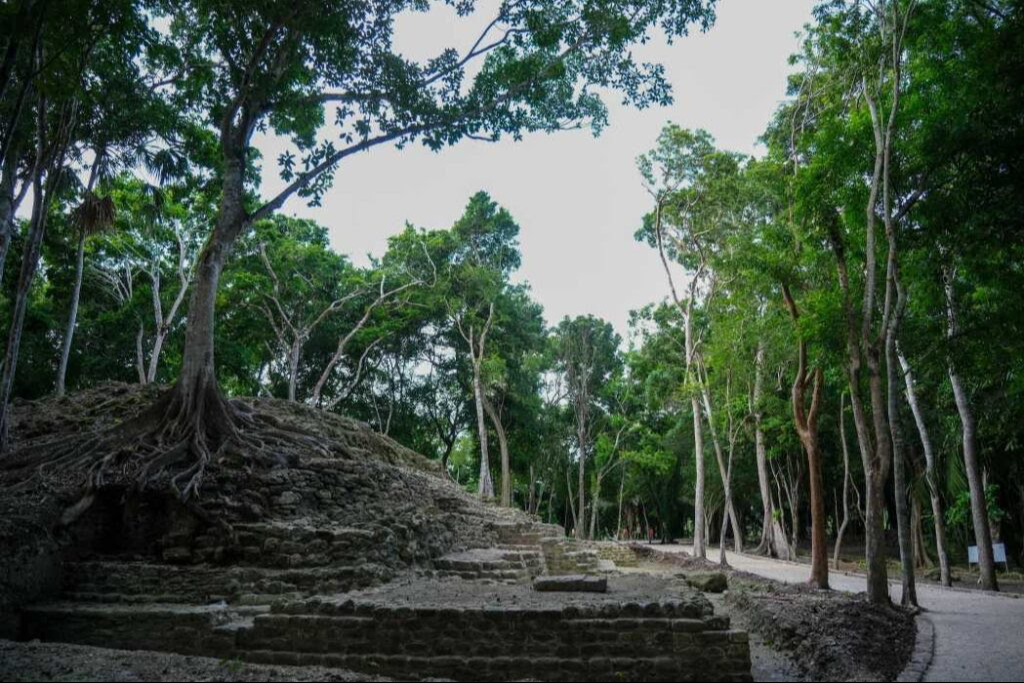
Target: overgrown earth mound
[832, 635]
[350, 514]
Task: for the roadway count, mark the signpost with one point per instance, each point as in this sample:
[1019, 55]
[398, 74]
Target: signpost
[998, 554]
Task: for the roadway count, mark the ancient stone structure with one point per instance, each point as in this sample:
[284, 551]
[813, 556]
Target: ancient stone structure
[369, 560]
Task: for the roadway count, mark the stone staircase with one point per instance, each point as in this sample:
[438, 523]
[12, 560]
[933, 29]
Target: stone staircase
[619, 553]
[490, 564]
[278, 601]
[662, 640]
[524, 551]
[138, 582]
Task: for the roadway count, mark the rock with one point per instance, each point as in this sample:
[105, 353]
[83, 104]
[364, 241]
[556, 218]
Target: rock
[715, 582]
[571, 583]
[177, 555]
[288, 498]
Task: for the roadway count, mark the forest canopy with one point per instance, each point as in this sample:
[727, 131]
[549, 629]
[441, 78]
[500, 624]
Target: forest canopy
[839, 350]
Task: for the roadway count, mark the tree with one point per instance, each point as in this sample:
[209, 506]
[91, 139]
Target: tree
[80, 50]
[587, 350]
[91, 216]
[278, 66]
[806, 420]
[688, 181]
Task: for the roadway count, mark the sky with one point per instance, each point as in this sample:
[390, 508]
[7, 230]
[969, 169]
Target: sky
[577, 199]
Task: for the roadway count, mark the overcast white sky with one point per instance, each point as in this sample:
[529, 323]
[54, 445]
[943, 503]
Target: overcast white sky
[577, 198]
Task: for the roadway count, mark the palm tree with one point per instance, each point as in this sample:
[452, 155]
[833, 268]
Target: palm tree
[93, 215]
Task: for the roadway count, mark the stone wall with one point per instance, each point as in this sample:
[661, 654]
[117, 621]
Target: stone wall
[629, 641]
[619, 553]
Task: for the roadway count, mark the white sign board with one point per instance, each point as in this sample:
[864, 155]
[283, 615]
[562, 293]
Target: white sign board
[998, 552]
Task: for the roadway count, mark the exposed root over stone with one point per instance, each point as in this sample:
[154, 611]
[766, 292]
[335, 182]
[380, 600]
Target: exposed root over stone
[170, 445]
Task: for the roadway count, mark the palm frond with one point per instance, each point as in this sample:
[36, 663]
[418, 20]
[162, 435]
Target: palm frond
[94, 214]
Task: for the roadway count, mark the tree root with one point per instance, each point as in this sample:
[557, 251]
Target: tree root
[170, 445]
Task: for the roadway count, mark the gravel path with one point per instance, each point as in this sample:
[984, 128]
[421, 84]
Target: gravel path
[978, 636]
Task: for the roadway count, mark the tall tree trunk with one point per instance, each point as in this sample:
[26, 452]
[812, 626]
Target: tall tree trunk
[581, 439]
[699, 547]
[846, 484]
[76, 292]
[766, 545]
[485, 487]
[793, 488]
[594, 501]
[140, 362]
[7, 208]
[806, 421]
[730, 508]
[29, 265]
[69, 330]
[873, 446]
[506, 468]
[622, 489]
[979, 506]
[294, 354]
[875, 547]
[809, 438]
[197, 376]
[908, 594]
[532, 499]
[722, 558]
[931, 474]
[46, 173]
[917, 530]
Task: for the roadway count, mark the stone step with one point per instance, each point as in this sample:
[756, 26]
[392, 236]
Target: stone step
[628, 642]
[287, 543]
[508, 575]
[141, 581]
[185, 629]
[462, 668]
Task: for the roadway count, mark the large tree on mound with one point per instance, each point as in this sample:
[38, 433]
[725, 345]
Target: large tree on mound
[327, 77]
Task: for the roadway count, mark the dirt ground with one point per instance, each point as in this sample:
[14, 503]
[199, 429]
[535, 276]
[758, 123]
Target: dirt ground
[36, 661]
[630, 588]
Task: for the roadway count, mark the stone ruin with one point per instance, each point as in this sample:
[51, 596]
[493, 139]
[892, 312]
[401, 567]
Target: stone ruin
[371, 561]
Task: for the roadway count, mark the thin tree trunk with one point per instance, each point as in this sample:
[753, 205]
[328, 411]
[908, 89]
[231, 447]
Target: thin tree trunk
[581, 439]
[931, 474]
[76, 292]
[766, 545]
[139, 359]
[979, 506]
[45, 176]
[7, 208]
[873, 455]
[846, 483]
[622, 488]
[908, 594]
[806, 421]
[730, 508]
[722, 558]
[69, 331]
[294, 354]
[29, 264]
[485, 487]
[532, 499]
[164, 323]
[917, 530]
[699, 547]
[594, 500]
[572, 504]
